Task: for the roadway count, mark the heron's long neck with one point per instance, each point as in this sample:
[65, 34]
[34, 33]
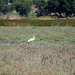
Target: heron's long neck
[33, 37]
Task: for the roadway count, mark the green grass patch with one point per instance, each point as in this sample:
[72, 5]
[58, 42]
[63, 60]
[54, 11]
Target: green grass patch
[21, 34]
[52, 52]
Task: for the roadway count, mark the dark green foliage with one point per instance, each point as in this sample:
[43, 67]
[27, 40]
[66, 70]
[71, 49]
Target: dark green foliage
[74, 6]
[42, 4]
[60, 6]
[35, 22]
[45, 6]
[4, 6]
[23, 7]
[11, 1]
[53, 5]
[66, 6]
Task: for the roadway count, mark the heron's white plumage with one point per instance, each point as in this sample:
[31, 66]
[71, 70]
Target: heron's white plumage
[32, 39]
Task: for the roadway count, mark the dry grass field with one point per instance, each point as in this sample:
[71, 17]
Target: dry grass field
[52, 52]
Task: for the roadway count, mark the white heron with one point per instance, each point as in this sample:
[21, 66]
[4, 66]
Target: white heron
[32, 39]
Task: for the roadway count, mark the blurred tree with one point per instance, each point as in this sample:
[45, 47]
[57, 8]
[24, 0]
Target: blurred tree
[4, 7]
[42, 4]
[52, 5]
[45, 6]
[73, 6]
[70, 7]
[66, 6]
[61, 6]
[23, 7]
[11, 1]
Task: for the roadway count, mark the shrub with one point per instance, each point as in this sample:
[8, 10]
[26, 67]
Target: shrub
[36, 22]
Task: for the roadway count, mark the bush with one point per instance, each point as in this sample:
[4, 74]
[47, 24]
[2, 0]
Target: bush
[32, 15]
[36, 22]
